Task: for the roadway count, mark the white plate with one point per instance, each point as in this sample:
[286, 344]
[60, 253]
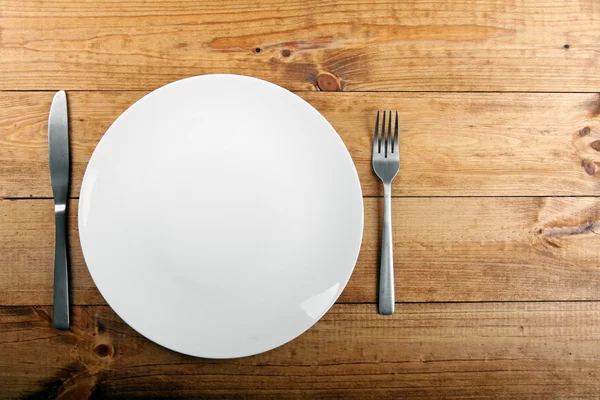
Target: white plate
[221, 216]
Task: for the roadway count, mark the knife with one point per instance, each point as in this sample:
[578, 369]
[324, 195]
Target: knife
[58, 153]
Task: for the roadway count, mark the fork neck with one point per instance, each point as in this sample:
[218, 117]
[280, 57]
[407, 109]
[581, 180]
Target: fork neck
[387, 190]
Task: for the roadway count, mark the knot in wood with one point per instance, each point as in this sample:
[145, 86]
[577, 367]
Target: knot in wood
[328, 83]
[103, 350]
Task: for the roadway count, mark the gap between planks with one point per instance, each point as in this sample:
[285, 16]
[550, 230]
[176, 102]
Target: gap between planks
[313, 91]
[394, 197]
[358, 303]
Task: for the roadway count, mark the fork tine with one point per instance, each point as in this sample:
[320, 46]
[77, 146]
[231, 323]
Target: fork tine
[389, 147]
[376, 136]
[395, 148]
[383, 146]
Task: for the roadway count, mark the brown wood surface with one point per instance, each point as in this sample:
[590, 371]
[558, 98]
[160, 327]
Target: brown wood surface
[446, 249]
[452, 144]
[501, 350]
[496, 214]
[484, 45]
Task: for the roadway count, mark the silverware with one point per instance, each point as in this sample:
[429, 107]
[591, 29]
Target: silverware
[58, 153]
[386, 163]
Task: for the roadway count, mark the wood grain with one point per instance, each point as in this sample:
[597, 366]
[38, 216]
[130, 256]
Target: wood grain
[452, 144]
[445, 249]
[497, 296]
[516, 351]
[388, 45]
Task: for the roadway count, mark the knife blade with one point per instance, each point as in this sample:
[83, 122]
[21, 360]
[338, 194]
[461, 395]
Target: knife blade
[58, 154]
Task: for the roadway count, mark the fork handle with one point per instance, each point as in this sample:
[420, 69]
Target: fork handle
[61, 277]
[386, 269]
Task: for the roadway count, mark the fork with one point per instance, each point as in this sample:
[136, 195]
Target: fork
[386, 163]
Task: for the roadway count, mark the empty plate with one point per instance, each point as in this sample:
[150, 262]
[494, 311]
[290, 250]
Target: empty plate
[221, 216]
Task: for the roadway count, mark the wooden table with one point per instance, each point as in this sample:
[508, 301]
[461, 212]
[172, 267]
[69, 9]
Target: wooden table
[496, 207]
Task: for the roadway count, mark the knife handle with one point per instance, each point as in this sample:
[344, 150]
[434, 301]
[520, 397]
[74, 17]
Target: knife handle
[61, 272]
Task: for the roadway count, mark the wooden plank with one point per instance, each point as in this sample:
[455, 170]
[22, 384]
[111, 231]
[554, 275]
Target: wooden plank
[453, 144]
[516, 351]
[481, 45]
[446, 249]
